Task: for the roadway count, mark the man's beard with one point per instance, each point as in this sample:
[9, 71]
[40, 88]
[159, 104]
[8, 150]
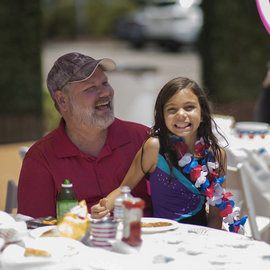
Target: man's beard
[88, 117]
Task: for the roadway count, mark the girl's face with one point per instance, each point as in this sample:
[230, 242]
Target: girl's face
[182, 115]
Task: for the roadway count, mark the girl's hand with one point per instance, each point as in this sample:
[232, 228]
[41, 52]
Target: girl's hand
[100, 210]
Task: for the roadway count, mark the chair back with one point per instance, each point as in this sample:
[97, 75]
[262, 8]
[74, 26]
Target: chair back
[11, 198]
[243, 180]
[234, 185]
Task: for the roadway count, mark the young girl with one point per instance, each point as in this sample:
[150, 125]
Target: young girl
[185, 165]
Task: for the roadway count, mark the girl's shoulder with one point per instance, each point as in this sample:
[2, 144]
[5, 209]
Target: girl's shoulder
[152, 143]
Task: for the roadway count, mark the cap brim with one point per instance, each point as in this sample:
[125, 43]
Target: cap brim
[106, 64]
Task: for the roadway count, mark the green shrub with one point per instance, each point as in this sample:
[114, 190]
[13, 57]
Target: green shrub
[20, 71]
[20, 48]
[103, 15]
[59, 19]
[51, 115]
[96, 19]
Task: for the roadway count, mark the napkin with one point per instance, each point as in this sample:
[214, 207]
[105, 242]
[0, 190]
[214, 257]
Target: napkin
[11, 231]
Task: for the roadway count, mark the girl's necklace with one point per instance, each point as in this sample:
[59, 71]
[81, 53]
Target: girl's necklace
[203, 171]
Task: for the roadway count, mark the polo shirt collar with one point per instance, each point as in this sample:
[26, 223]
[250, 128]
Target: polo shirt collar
[118, 135]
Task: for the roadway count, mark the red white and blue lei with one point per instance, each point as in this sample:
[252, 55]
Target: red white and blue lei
[203, 171]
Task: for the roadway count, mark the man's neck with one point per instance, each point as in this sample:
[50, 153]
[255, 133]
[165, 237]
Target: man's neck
[89, 140]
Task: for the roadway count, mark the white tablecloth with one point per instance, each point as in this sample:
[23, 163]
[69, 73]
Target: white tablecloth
[192, 247]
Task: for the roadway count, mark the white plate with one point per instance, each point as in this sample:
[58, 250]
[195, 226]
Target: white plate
[174, 225]
[59, 248]
[39, 231]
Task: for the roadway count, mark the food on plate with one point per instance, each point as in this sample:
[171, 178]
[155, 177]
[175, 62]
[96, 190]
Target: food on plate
[155, 224]
[36, 252]
[40, 222]
[51, 233]
[50, 222]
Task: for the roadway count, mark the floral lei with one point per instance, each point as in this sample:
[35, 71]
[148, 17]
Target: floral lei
[203, 171]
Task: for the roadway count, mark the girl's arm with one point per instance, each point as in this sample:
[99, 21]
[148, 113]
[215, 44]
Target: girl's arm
[214, 219]
[139, 166]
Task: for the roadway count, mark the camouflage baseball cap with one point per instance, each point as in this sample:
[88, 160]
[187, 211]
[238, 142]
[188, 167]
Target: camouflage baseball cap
[74, 67]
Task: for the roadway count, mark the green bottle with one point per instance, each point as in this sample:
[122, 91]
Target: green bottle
[66, 199]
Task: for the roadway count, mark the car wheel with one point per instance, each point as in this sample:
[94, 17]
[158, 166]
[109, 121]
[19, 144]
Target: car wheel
[138, 44]
[172, 46]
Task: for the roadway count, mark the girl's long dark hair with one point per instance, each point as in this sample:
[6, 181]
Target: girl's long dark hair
[205, 129]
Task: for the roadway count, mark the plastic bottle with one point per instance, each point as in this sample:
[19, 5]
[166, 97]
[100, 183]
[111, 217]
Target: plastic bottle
[66, 199]
[133, 210]
[118, 203]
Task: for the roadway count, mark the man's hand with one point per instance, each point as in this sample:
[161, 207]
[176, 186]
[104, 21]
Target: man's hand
[100, 210]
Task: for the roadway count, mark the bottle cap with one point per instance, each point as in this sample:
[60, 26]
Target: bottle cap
[67, 183]
[125, 189]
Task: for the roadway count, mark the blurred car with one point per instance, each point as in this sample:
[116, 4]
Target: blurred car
[168, 23]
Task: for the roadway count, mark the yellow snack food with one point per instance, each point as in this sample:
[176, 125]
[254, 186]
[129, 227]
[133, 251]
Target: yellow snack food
[36, 252]
[74, 224]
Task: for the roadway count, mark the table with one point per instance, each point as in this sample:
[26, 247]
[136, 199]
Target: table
[194, 247]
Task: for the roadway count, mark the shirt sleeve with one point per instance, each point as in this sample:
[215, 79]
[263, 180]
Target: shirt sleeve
[36, 190]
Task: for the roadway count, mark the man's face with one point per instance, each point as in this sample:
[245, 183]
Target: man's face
[91, 101]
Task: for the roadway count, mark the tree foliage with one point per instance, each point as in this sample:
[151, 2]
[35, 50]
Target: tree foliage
[20, 70]
[234, 49]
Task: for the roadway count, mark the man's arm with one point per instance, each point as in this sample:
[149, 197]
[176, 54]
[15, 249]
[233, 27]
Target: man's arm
[36, 190]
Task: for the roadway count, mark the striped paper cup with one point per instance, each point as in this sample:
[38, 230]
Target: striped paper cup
[103, 230]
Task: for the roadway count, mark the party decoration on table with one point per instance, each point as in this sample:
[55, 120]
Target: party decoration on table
[203, 171]
[264, 11]
[251, 129]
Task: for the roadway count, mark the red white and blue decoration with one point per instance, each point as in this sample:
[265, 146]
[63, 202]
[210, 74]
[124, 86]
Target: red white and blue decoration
[203, 171]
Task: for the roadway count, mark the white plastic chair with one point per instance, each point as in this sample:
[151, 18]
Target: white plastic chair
[23, 150]
[11, 197]
[241, 179]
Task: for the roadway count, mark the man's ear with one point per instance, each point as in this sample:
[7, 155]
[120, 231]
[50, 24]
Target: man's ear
[61, 100]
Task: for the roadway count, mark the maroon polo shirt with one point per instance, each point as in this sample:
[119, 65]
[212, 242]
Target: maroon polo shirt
[55, 158]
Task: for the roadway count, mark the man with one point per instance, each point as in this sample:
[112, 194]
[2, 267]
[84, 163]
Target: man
[262, 106]
[90, 147]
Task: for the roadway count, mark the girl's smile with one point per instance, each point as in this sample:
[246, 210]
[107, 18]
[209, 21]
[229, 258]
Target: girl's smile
[182, 114]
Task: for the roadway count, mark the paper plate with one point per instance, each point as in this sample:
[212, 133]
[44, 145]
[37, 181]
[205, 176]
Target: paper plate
[35, 233]
[155, 229]
[58, 248]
